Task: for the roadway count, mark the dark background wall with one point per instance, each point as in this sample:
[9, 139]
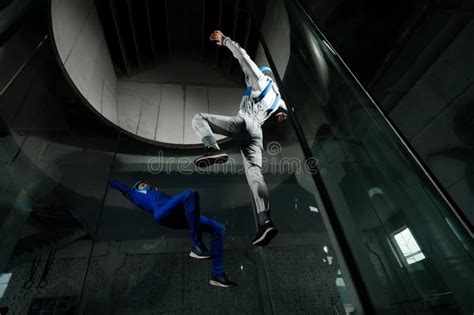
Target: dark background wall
[427, 90]
[4, 3]
[364, 31]
[415, 57]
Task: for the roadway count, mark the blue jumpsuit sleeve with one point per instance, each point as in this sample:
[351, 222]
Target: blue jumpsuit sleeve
[120, 187]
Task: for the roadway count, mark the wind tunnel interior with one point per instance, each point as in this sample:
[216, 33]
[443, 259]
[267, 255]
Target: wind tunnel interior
[72, 118]
[148, 66]
[97, 252]
[144, 34]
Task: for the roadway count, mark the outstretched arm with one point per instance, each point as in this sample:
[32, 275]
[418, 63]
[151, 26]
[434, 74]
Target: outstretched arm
[120, 187]
[249, 67]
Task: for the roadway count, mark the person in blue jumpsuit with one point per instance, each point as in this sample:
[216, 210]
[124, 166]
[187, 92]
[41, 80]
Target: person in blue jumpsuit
[182, 212]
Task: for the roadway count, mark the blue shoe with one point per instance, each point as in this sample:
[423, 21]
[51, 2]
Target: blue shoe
[200, 252]
[222, 281]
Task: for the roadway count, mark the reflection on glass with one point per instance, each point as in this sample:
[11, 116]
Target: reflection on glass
[4, 280]
[313, 209]
[408, 246]
[374, 184]
[55, 157]
[344, 293]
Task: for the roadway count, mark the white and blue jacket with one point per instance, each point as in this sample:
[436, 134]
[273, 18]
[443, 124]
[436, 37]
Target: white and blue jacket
[262, 97]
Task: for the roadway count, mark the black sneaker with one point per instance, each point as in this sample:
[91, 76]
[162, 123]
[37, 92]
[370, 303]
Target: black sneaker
[212, 156]
[265, 233]
[222, 281]
[200, 252]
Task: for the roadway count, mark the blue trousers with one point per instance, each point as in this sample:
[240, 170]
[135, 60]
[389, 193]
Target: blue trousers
[184, 213]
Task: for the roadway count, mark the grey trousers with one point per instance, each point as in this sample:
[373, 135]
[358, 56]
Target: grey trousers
[249, 133]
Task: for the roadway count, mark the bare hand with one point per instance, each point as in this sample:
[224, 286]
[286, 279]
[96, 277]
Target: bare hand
[281, 117]
[216, 36]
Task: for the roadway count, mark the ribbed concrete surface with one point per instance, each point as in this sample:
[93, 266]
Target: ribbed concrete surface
[156, 105]
[164, 112]
[83, 51]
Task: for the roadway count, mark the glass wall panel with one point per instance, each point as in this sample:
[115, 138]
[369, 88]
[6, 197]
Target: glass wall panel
[55, 161]
[144, 266]
[375, 184]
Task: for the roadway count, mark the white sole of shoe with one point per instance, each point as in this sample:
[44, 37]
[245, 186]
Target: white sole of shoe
[211, 160]
[193, 255]
[216, 156]
[264, 235]
[218, 284]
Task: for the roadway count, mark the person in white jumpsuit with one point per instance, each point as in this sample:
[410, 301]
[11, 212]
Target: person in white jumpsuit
[260, 101]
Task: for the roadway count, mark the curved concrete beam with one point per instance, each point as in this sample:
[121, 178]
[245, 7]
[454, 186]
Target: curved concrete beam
[155, 106]
[83, 53]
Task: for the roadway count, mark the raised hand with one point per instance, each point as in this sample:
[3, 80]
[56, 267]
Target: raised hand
[216, 36]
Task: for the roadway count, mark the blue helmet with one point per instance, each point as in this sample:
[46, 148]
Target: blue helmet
[135, 186]
[266, 71]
